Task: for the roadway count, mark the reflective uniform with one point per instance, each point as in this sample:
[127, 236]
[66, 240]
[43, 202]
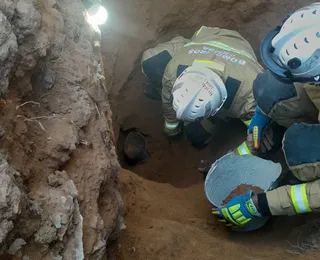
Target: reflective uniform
[296, 107]
[228, 54]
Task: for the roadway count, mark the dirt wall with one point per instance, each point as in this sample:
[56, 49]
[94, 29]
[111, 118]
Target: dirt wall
[58, 158]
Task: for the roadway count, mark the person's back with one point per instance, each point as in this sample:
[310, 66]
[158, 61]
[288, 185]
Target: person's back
[228, 54]
[232, 62]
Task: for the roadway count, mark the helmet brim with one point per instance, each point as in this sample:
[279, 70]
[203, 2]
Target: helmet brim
[282, 74]
[266, 50]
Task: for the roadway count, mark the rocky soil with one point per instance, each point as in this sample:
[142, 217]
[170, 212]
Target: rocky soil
[59, 195]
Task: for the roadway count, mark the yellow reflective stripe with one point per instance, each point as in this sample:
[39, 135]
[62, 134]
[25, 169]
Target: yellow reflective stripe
[199, 31]
[171, 125]
[227, 216]
[247, 123]
[243, 149]
[222, 46]
[299, 198]
[209, 64]
[245, 221]
[305, 198]
[234, 208]
[237, 217]
[293, 198]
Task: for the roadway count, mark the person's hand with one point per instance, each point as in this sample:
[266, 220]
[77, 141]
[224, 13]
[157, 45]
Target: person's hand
[259, 121]
[238, 211]
[267, 142]
[174, 134]
[250, 145]
[204, 167]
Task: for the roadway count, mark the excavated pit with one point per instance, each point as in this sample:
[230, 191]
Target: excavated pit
[59, 171]
[165, 209]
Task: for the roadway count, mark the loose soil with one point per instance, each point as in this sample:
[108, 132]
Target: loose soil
[241, 189]
[165, 222]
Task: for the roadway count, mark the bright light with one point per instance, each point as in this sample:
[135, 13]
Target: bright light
[97, 15]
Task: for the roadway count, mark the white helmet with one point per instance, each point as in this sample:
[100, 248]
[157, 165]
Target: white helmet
[292, 51]
[198, 93]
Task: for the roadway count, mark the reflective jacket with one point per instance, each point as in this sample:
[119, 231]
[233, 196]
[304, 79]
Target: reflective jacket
[230, 56]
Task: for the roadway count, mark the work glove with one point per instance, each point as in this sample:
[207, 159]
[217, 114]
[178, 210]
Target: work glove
[259, 120]
[238, 211]
[271, 140]
[265, 145]
[173, 131]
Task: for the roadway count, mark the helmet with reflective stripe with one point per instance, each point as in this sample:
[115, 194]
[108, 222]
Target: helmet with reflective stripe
[198, 93]
[292, 51]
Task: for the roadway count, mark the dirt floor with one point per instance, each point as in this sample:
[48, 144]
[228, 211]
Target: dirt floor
[166, 212]
[173, 220]
[165, 222]
[168, 216]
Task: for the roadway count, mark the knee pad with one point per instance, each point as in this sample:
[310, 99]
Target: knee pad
[154, 67]
[301, 144]
[268, 91]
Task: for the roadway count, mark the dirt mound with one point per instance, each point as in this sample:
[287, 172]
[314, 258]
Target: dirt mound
[241, 189]
[164, 222]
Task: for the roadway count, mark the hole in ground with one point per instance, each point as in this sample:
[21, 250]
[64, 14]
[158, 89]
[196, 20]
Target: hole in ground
[166, 212]
[155, 213]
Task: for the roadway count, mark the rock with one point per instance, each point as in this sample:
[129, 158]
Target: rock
[7, 8]
[61, 216]
[48, 79]
[25, 257]
[8, 52]
[53, 256]
[46, 234]
[74, 246]
[35, 207]
[28, 19]
[5, 228]
[53, 180]
[44, 249]
[58, 178]
[18, 254]
[16, 246]
[10, 198]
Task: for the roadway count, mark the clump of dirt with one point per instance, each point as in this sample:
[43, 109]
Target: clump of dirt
[241, 189]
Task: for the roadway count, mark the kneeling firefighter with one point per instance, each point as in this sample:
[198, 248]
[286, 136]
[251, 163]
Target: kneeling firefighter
[290, 95]
[211, 73]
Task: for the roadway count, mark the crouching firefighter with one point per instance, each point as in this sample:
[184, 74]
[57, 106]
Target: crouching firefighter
[210, 74]
[289, 93]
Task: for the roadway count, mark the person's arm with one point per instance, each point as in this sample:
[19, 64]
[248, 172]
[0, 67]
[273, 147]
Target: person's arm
[260, 120]
[286, 201]
[290, 200]
[172, 125]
